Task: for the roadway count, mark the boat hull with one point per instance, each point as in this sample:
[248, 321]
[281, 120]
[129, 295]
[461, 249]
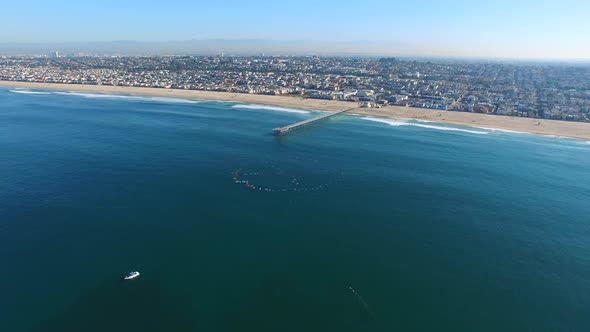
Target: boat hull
[131, 276]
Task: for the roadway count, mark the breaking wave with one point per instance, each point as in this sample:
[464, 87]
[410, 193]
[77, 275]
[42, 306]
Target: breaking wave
[28, 92]
[270, 108]
[503, 130]
[399, 123]
[127, 97]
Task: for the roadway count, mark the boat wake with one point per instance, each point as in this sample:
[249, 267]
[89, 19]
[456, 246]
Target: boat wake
[270, 108]
[362, 302]
[399, 123]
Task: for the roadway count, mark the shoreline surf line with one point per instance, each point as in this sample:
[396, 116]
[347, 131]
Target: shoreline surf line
[576, 130]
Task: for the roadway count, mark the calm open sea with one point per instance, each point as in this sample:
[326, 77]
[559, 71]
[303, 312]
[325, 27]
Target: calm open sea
[353, 224]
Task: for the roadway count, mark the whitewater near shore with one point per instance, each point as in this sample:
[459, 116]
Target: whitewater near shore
[538, 126]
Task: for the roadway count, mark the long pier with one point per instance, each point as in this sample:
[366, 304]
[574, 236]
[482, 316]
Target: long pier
[285, 130]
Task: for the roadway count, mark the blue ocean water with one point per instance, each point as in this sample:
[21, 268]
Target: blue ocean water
[353, 224]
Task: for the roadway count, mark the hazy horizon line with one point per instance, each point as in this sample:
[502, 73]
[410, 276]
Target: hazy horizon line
[274, 47]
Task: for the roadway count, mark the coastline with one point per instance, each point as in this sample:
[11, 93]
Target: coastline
[482, 121]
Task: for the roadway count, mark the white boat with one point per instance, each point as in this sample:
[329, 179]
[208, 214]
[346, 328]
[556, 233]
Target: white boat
[131, 275]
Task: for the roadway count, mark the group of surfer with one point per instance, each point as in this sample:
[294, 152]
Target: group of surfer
[245, 179]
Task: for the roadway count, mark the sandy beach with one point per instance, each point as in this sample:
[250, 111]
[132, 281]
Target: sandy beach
[538, 126]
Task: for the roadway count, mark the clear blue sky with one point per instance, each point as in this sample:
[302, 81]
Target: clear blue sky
[517, 28]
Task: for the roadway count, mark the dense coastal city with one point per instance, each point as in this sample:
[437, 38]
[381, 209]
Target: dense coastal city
[527, 90]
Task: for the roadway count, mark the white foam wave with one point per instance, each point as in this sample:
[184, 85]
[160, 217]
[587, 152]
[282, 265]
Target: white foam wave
[398, 123]
[128, 97]
[503, 130]
[173, 100]
[28, 92]
[556, 136]
[270, 108]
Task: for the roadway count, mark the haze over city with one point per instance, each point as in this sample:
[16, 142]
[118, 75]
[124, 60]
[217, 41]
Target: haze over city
[458, 28]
